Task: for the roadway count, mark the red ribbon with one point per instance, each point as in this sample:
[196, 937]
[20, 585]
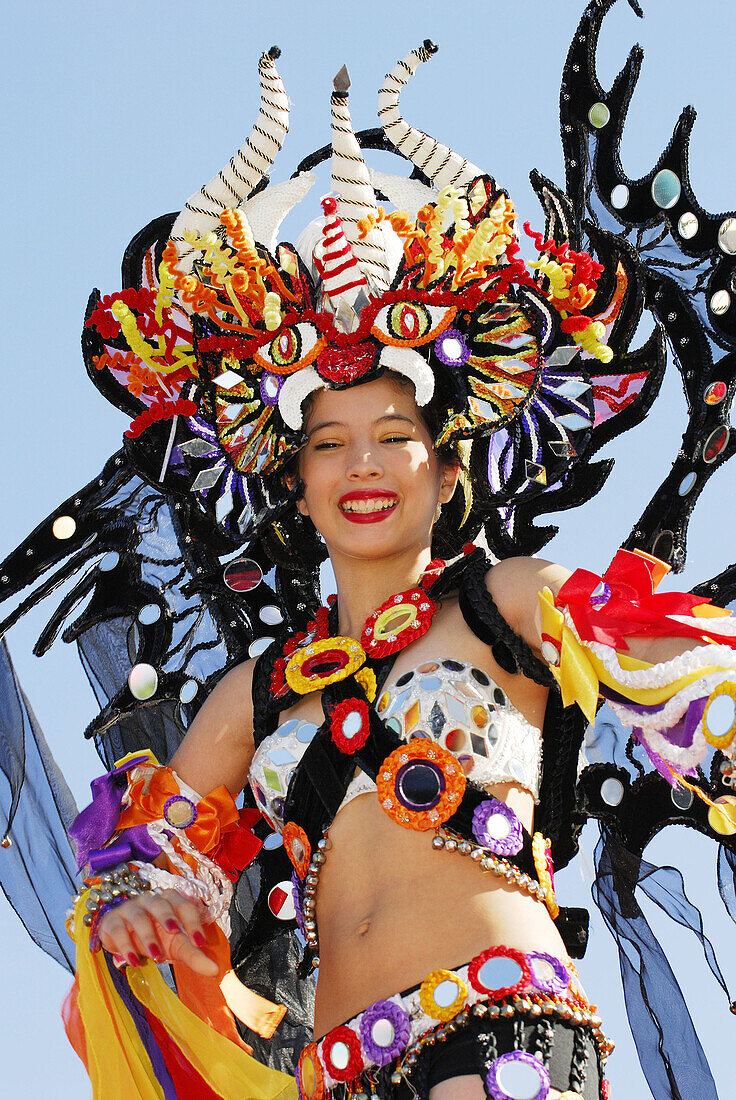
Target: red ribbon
[633, 608]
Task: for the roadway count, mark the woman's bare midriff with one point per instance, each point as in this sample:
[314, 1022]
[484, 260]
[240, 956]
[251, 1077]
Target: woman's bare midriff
[390, 907]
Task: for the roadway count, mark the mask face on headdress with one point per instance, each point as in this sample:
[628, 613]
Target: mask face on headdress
[238, 331]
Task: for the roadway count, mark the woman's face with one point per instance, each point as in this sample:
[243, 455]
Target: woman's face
[372, 481]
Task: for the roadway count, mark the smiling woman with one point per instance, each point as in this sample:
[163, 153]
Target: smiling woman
[398, 384]
[369, 460]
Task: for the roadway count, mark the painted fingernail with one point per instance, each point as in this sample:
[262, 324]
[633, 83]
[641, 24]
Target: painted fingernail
[133, 959]
[154, 951]
[199, 939]
[118, 960]
[172, 926]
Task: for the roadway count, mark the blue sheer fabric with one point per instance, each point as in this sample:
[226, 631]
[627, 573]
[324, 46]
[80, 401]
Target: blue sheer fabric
[671, 1056]
[37, 869]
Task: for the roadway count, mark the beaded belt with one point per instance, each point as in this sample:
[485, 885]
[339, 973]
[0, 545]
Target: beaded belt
[501, 982]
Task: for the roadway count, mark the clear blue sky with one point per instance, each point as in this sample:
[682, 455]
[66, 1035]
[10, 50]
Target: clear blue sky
[116, 113]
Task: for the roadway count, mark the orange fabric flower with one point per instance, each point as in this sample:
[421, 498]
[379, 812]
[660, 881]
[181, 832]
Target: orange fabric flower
[213, 825]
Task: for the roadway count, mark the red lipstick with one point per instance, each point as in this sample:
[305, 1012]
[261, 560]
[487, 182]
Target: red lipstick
[387, 502]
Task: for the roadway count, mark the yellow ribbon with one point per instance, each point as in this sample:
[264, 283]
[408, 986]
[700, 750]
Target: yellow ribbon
[580, 673]
[117, 1062]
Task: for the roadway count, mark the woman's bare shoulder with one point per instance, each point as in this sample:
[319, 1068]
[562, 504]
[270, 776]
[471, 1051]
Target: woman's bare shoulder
[219, 746]
[515, 584]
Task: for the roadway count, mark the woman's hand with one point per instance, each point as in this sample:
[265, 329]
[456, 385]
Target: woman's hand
[160, 925]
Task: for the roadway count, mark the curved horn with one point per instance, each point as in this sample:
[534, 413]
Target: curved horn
[246, 169]
[440, 163]
[356, 198]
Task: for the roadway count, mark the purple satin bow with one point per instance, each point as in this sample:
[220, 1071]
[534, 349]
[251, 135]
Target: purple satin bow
[94, 826]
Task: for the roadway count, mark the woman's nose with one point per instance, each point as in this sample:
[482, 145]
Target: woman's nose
[364, 462]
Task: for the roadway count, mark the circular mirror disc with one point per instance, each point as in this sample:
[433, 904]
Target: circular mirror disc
[499, 972]
[666, 189]
[619, 196]
[612, 791]
[520, 1080]
[271, 615]
[339, 1055]
[149, 614]
[721, 715]
[687, 483]
[445, 993]
[188, 691]
[383, 1033]
[242, 575]
[688, 225]
[720, 302]
[715, 443]
[63, 527]
[352, 724]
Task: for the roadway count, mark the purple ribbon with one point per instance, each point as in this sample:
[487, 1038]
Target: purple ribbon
[94, 826]
[135, 843]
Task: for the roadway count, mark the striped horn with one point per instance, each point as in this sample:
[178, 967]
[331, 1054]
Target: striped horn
[356, 198]
[246, 169]
[438, 162]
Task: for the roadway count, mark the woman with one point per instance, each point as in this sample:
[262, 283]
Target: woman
[343, 391]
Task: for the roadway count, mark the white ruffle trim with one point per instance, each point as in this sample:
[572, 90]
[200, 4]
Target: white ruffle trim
[210, 885]
[654, 724]
[658, 675]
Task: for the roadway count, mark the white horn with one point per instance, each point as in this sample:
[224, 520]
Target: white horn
[356, 198]
[295, 389]
[410, 363]
[246, 169]
[438, 162]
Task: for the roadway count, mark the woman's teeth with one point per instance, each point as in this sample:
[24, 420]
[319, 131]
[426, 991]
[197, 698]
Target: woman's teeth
[377, 504]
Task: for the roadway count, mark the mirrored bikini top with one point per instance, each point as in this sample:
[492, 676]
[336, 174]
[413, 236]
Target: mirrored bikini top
[451, 702]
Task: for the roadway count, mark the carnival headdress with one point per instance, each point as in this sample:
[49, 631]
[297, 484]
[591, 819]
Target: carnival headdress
[238, 333]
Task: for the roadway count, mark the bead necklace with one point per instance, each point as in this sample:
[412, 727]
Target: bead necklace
[315, 658]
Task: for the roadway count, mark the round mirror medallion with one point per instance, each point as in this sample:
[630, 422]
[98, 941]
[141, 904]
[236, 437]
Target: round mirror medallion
[242, 575]
[63, 527]
[687, 484]
[612, 791]
[720, 302]
[715, 444]
[715, 393]
[688, 225]
[599, 115]
[666, 189]
[142, 681]
[620, 196]
[518, 1076]
[719, 716]
[727, 236]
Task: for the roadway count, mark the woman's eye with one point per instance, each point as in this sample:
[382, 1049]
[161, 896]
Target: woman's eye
[291, 349]
[411, 323]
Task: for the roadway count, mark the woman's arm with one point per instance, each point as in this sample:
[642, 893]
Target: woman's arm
[515, 584]
[216, 751]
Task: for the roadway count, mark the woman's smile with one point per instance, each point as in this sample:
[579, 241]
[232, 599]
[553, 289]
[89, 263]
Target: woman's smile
[367, 505]
[369, 463]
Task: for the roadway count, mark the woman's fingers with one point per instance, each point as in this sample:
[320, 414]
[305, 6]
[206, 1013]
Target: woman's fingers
[115, 937]
[181, 949]
[157, 925]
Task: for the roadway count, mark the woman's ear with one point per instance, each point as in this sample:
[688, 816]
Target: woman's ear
[292, 483]
[448, 484]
